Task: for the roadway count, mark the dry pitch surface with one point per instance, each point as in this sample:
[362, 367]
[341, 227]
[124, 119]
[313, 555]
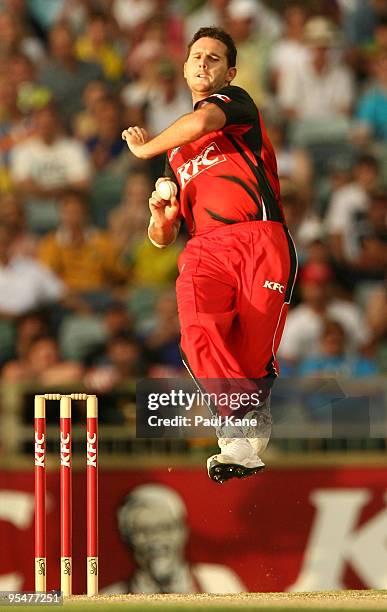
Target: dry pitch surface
[276, 602]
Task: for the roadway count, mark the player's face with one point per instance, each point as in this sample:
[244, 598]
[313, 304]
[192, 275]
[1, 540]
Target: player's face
[206, 69]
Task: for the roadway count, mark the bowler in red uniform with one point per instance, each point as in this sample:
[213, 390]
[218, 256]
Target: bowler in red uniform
[238, 269]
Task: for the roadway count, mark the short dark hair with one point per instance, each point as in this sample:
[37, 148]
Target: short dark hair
[72, 193]
[366, 159]
[218, 34]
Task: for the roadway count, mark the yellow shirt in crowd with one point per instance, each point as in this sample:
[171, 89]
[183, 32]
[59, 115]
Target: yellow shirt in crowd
[107, 57]
[91, 266]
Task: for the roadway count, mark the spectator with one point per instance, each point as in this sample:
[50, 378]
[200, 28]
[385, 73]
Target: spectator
[379, 45]
[43, 365]
[76, 13]
[346, 203]
[162, 343]
[131, 15]
[150, 267]
[376, 309]
[372, 106]
[121, 361]
[254, 47]
[12, 216]
[115, 321]
[339, 174]
[170, 18]
[361, 54]
[47, 164]
[24, 283]
[107, 149]
[23, 75]
[305, 322]
[96, 45]
[110, 159]
[168, 99]
[359, 20]
[83, 257]
[371, 233]
[13, 38]
[293, 163]
[212, 12]
[15, 127]
[303, 223]
[334, 357]
[44, 14]
[24, 330]
[64, 74]
[128, 222]
[141, 69]
[29, 327]
[85, 123]
[323, 89]
[289, 54]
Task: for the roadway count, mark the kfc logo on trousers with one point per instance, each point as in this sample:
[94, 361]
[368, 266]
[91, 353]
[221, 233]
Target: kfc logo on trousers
[273, 286]
[210, 156]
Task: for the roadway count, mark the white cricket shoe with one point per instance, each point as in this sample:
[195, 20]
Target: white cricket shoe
[237, 459]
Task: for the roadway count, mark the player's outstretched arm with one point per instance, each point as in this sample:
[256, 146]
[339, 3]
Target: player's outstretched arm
[186, 129]
[164, 223]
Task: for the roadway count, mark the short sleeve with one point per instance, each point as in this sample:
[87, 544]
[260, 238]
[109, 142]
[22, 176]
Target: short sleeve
[77, 162]
[20, 162]
[50, 286]
[236, 104]
[338, 215]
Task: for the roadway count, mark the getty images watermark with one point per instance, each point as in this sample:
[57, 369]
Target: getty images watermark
[169, 408]
[301, 408]
[189, 401]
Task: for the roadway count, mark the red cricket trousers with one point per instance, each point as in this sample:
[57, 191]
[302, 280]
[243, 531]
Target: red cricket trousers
[233, 292]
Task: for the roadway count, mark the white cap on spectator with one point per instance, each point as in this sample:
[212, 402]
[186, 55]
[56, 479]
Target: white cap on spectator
[242, 9]
[319, 31]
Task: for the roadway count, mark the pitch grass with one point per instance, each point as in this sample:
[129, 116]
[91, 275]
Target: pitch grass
[334, 601]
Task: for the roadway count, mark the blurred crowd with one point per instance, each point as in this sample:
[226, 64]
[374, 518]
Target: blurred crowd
[84, 296]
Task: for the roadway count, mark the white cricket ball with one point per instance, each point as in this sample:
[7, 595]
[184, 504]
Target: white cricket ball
[166, 189]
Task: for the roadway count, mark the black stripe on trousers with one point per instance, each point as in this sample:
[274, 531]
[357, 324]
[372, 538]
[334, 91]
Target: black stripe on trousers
[202, 390]
[293, 267]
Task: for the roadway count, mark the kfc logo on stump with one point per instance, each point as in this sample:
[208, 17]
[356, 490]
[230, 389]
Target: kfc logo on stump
[210, 156]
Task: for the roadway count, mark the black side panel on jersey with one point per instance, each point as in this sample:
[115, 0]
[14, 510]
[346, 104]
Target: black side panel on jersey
[236, 104]
[273, 212]
[168, 169]
[169, 173]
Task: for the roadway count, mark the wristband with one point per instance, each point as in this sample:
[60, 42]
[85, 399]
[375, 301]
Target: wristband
[156, 244]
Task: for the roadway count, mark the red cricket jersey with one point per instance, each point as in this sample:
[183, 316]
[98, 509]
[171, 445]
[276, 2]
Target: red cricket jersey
[229, 175]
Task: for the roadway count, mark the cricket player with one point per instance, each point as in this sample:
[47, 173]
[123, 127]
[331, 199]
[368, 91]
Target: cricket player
[238, 268]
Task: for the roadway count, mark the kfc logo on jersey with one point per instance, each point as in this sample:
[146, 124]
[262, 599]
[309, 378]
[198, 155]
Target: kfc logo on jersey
[221, 97]
[210, 156]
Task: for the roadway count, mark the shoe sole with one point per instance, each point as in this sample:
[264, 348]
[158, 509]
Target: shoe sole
[221, 472]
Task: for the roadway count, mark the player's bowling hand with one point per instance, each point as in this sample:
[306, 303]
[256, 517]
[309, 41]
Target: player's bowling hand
[164, 212]
[135, 138]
